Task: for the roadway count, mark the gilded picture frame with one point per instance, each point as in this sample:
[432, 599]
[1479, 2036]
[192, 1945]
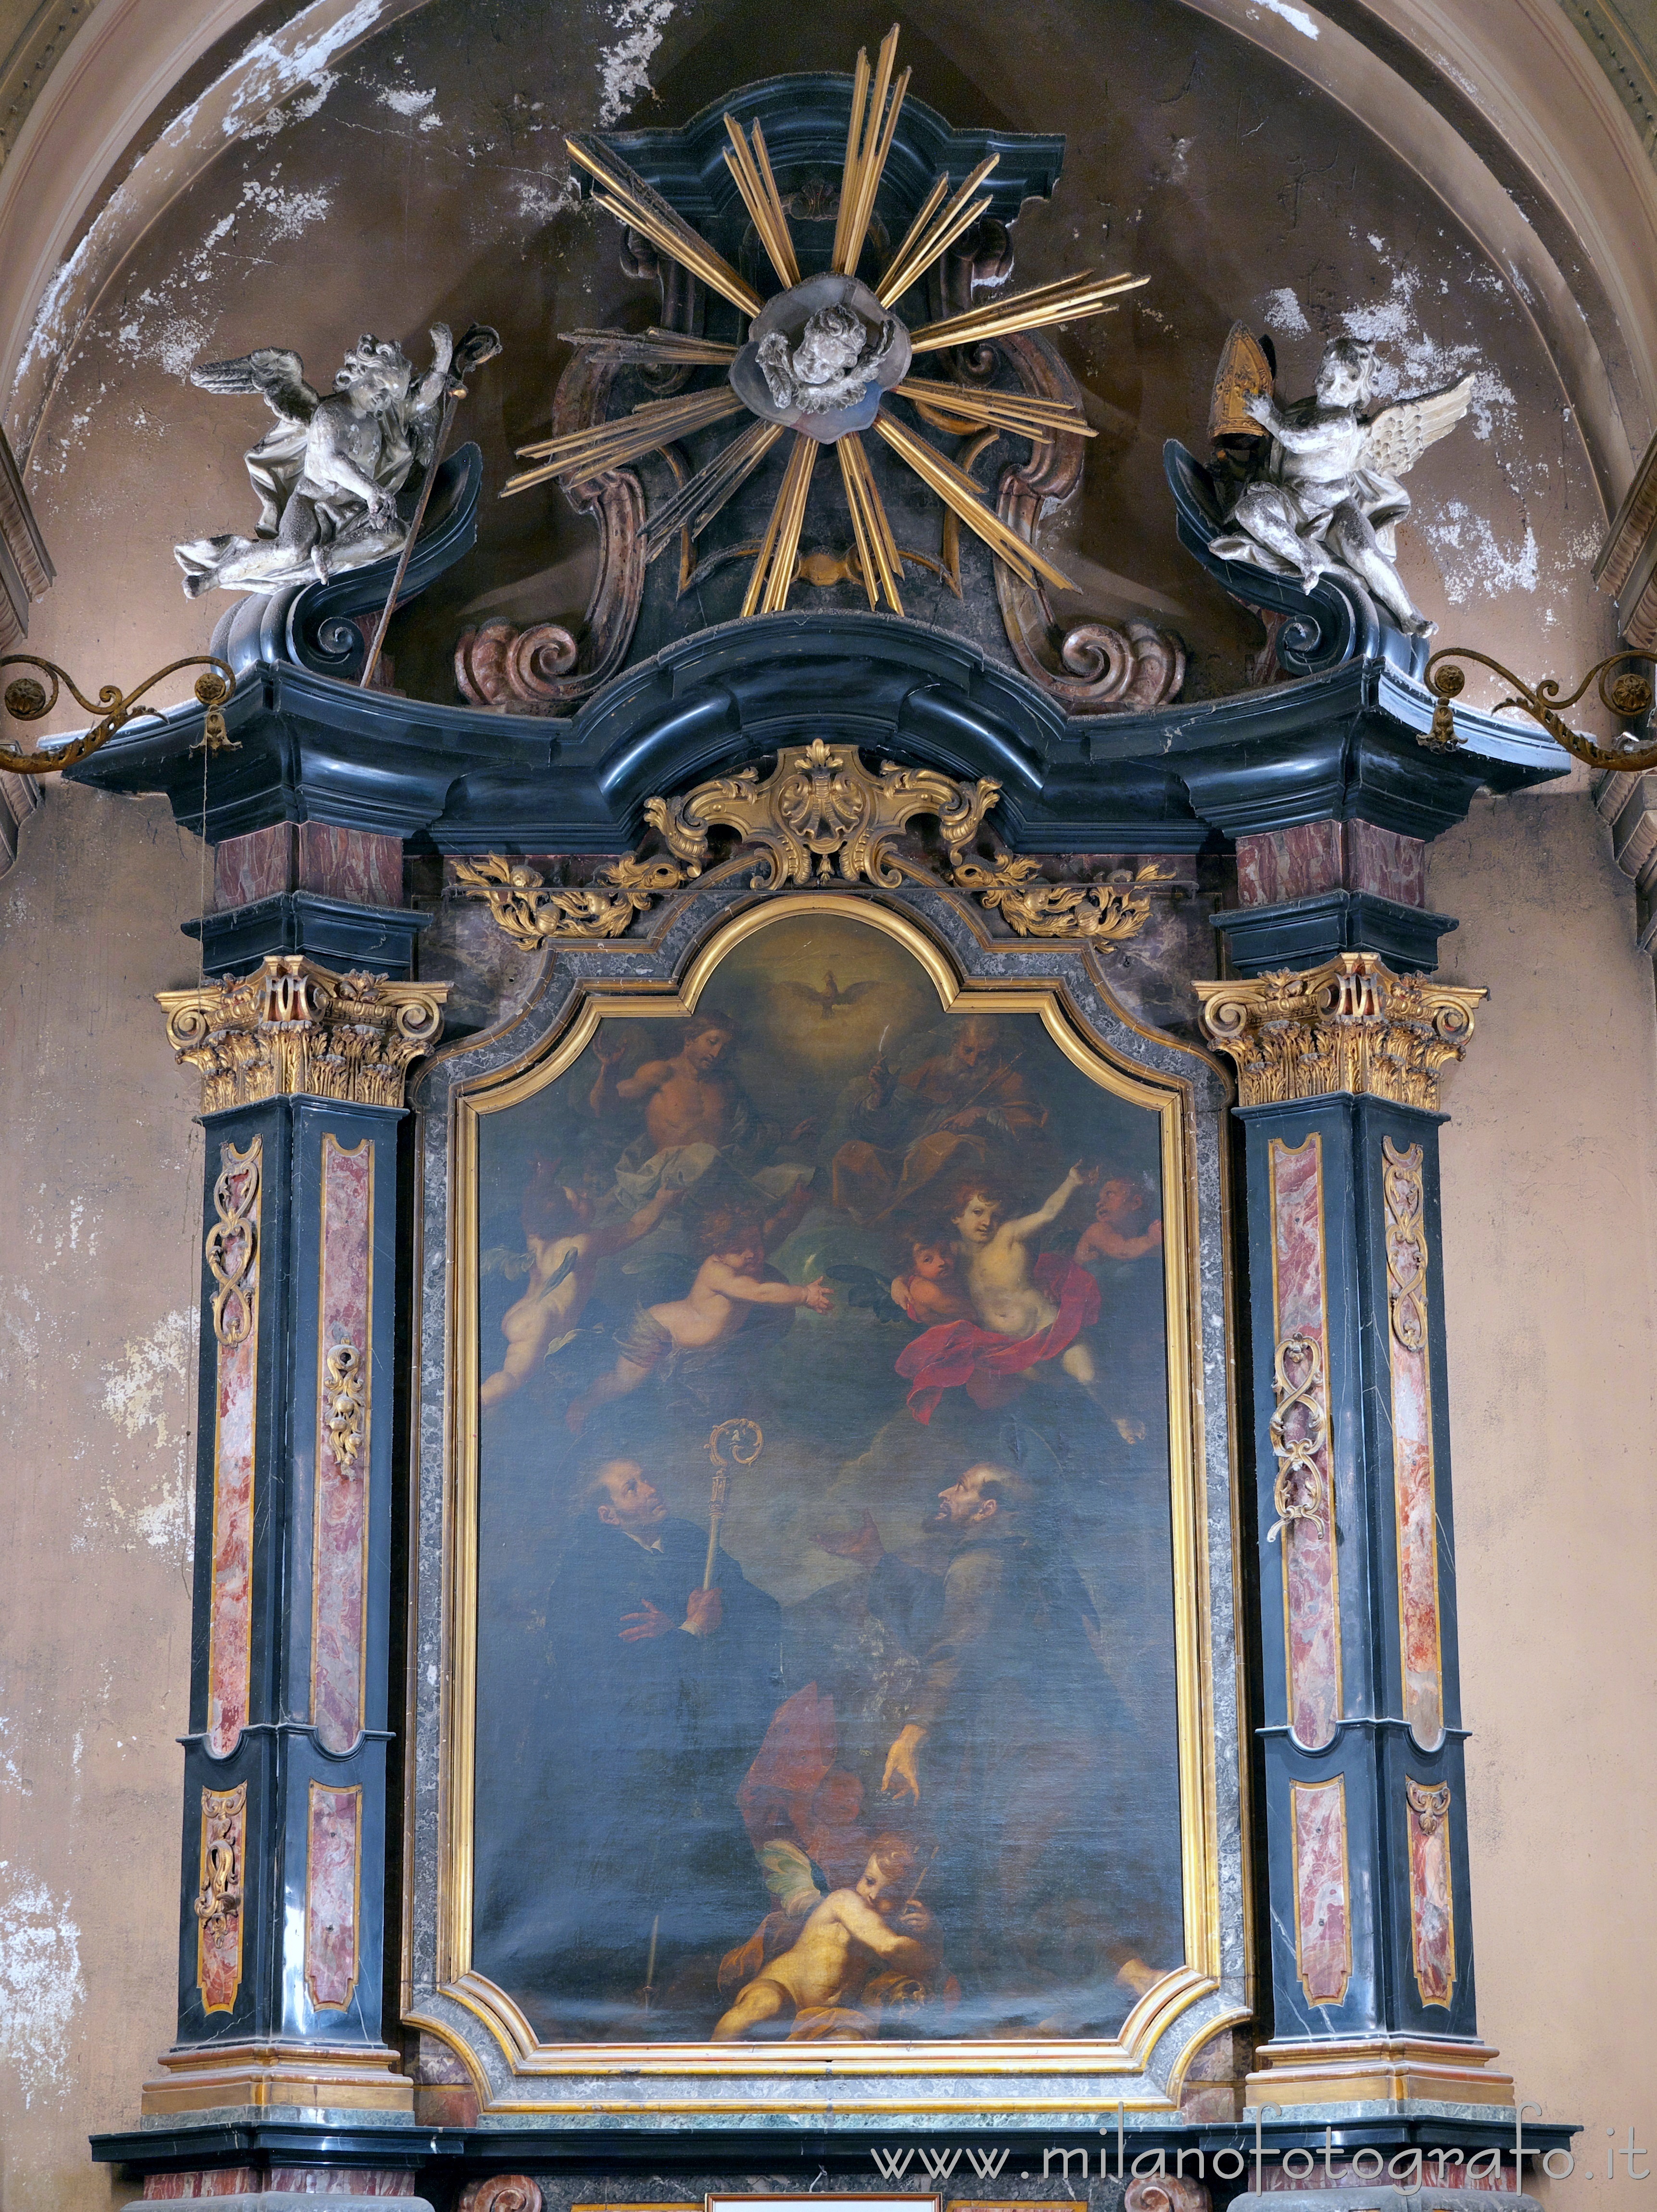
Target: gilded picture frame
[519, 2070]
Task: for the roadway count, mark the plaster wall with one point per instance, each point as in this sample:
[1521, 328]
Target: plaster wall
[1550, 1288]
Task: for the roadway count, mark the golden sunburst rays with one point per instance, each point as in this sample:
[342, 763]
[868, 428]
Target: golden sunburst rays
[869, 136]
[946, 214]
[957, 490]
[957, 407]
[878, 554]
[694, 505]
[931, 234]
[773, 571]
[750, 168]
[579, 454]
[1066, 301]
[627, 196]
[652, 349]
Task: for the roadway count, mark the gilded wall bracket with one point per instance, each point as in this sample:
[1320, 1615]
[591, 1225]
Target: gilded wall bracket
[1350, 1025]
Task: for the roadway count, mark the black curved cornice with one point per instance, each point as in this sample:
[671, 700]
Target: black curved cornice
[467, 780]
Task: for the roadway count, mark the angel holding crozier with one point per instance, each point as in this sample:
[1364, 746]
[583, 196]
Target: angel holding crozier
[328, 473]
[1322, 495]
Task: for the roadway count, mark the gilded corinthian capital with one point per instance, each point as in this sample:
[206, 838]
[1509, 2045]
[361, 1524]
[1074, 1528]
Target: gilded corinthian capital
[1349, 1025]
[292, 1027]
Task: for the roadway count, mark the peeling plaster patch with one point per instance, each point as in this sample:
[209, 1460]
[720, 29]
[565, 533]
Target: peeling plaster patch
[299, 109]
[1470, 562]
[11, 1776]
[1296, 18]
[290, 213]
[405, 100]
[269, 75]
[40, 1984]
[136, 1387]
[623, 67]
[1285, 314]
[540, 198]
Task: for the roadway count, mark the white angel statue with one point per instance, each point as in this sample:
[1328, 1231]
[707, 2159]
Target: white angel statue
[328, 473]
[1325, 497]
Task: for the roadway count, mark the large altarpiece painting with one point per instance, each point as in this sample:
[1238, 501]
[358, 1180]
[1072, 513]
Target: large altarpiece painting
[828, 1571]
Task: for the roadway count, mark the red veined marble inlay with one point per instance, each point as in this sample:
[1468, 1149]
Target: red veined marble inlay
[332, 1865]
[1432, 1914]
[1300, 1320]
[1414, 1489]
[1323, 1905]
[340, 1544]
[233, 1256]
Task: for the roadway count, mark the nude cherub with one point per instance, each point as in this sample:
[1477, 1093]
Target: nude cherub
[732, 1280]
[931, 1291]
[996, 1254]
[566, 1252]
[848, 1939]
[1114, 1233]
[690, 1100]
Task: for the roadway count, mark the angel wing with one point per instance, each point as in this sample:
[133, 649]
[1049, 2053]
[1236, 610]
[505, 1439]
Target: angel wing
[277, 375]
[1399, 436]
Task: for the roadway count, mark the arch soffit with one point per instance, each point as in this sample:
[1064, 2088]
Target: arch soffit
[1515, 76]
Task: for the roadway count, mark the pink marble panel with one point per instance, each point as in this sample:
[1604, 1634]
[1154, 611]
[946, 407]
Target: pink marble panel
[1323, 1913]
[340, 1539]
[332, 1870]
[255, 866]
[239, 1200]
[1311, 1595]
[1432, 1917]
[222, 2181]
[355, 865]
[1414, 1484]
[1386, 863]
[1290, 864]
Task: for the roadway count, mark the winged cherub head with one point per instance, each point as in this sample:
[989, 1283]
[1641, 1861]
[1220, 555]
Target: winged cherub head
[832, 365]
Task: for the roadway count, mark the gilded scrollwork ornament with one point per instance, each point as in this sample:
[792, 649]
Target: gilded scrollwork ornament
[820, 808]
[1349, 1025]
[231, 1247]
[1406, 1243]
[294, 1028]
[1429, 1803]
[1297, 1384]
[532, 914]
[342, 1397]
[1628, 696]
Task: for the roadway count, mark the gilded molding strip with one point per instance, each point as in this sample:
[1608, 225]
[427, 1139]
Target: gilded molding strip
[1299, 1300]
[1432, 1905]
[218, 1899]
[339, 1554]
[231, 1251]
[1351, 1024]
[1414, 1483]
[333, 1894]
[1323, 1897]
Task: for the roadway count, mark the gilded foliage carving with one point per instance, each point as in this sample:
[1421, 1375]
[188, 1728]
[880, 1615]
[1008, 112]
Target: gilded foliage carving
[1299, 1431]
[342, 1396]
[231, 1245]
[1350, 1026]
[1108, 913]
[292, 1027]
[1406, 1243]
[532, 914]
